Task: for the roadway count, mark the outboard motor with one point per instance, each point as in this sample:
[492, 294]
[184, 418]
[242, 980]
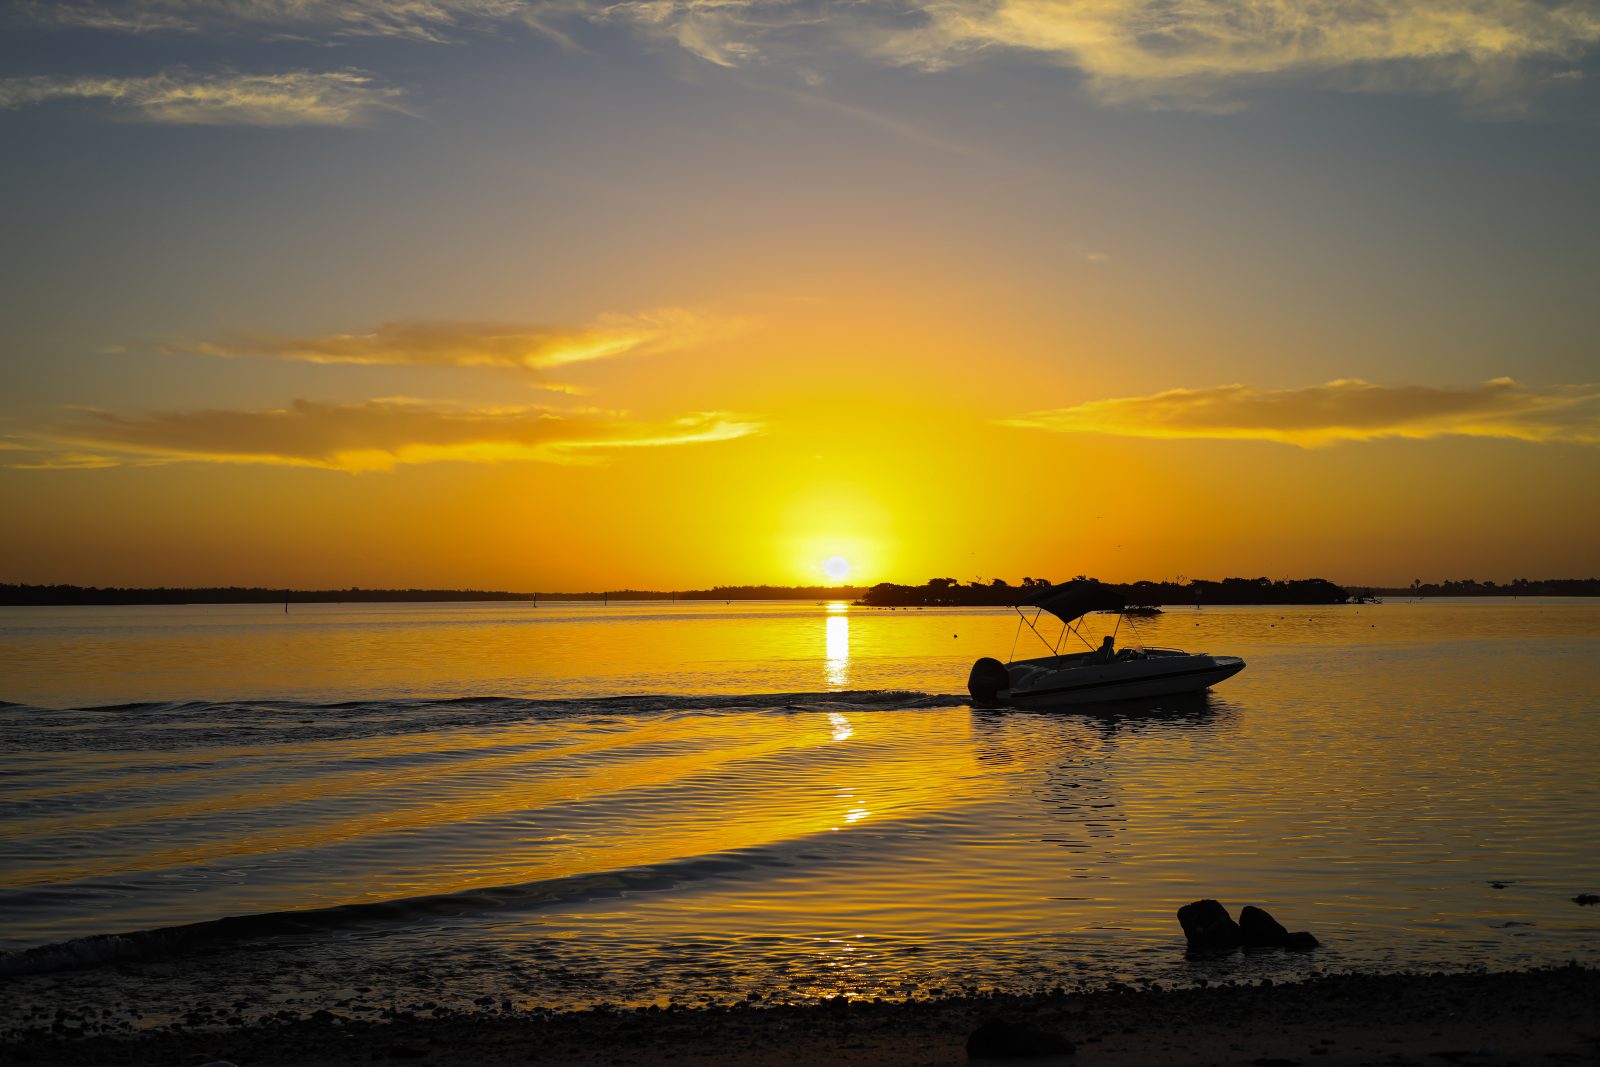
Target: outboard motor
[988, 677]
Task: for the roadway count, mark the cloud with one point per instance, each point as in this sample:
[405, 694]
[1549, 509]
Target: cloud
[478, 344]
[879, 120]
[421, 20]
[729, 33]
[1191, 54]
[1344, 410]
[371, 436]
[1195, 52]
[1181, 53]
[292, 98]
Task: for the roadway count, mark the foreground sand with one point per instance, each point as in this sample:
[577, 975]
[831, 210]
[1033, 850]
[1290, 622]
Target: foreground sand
[1537, 1017]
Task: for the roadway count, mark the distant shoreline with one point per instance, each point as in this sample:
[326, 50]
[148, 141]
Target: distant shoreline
[91, 596]
[940, 592]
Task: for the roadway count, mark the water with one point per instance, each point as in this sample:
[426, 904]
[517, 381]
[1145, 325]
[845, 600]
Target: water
[460, 805]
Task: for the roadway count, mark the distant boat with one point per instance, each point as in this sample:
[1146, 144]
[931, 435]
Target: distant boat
[1099, 674]
[1141, 611]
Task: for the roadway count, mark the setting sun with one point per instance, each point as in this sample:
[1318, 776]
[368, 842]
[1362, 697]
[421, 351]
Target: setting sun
[763, 508]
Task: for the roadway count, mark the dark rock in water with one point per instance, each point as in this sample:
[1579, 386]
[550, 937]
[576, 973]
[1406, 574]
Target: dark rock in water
[1586, 898]
[1257, 929]
[1300, 940]
[1208, 927]
[1005, 1039]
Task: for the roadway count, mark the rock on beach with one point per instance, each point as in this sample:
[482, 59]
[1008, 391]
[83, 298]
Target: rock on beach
[1003, 1039]
[1257, 929]
[1541, 1018]
[1261, 930]
[1208, 927]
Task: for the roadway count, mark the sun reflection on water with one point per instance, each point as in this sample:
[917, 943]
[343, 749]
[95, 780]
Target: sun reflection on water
[836, 668]
[988, 846]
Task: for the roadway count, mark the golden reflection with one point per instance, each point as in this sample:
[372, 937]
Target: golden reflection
[842, 730]
[443, 806]
[837, 646]
[857, 811]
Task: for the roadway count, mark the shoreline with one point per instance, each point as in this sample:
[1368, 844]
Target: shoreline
[1543, 1016]
[938, 592]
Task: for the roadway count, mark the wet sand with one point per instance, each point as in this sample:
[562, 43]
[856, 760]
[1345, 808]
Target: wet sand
[1549, 1016]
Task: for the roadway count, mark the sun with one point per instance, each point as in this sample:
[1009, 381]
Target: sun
[837, 568]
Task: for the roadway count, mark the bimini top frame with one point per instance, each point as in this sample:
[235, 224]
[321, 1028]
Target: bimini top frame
[1069, 602]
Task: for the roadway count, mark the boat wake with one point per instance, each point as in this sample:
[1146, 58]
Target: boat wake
[159, 942]
[203, 722]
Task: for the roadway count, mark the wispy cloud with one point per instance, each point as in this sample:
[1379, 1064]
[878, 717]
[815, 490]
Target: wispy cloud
[881, 121]
[479, 344]
[292, 98]
[373, 436]
[1193, 54]
[1189, 53]
[1345, 410]
[1196, 53]
[729, 33]
[422, 20]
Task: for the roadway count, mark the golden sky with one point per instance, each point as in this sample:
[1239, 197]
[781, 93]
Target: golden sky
[668, 294]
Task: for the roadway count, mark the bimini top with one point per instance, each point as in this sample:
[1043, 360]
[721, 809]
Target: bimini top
[1073, 600]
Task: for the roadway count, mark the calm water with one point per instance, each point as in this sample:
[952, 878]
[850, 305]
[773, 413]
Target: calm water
[555, 806]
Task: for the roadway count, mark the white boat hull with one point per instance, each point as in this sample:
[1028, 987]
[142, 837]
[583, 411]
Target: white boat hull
[1056, 682]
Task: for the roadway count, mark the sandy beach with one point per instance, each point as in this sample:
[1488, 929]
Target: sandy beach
[1547, 1016]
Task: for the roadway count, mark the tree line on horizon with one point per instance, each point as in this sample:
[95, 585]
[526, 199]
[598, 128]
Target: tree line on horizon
[948, 592]
[1515, 587]
[934, 592]
[20, 595]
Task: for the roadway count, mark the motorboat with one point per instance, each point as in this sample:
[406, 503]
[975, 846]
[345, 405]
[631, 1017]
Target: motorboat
[1097, 674]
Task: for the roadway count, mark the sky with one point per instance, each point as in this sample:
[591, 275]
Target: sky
[672, 293]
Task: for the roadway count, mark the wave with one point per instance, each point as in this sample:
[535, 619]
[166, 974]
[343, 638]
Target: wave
[140, 945]
[855, 698]
[190, 723]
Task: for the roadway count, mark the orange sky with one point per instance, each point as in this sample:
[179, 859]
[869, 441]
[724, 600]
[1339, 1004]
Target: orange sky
[713, 296]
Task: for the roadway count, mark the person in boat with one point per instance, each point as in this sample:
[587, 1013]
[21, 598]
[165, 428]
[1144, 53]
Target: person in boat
[1108, 651]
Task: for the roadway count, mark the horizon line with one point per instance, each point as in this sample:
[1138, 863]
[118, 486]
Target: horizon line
[702, 592]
